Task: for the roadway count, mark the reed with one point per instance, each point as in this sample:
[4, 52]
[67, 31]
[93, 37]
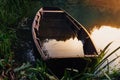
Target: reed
[95, 69]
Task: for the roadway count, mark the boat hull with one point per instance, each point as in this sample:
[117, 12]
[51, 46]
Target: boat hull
[57, 34]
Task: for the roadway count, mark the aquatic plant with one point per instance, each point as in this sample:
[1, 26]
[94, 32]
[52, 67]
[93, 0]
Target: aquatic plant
[97, 67]
[102, 60]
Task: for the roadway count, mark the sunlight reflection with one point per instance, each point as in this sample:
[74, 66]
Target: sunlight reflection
[66, 48]
[103, 36]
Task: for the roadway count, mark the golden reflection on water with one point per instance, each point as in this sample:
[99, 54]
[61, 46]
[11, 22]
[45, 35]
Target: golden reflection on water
[63, 49]
[103, 36]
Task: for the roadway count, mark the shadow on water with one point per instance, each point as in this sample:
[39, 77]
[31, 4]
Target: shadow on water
[24, 48]
[87, 14]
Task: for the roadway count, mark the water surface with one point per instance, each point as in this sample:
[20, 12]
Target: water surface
[59, 37]
[103, 23]
[103, 36]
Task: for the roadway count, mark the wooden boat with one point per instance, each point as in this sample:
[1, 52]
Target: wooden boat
[61, 41]
[57, 35]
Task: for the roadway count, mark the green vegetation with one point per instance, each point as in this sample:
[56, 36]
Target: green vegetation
[11, 13]
[40, 71]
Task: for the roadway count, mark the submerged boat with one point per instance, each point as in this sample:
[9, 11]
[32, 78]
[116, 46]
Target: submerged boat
[57, 34]
[61, 41]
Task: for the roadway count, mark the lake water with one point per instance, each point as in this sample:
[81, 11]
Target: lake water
[104, 28]
[102, 22]
[103, 36]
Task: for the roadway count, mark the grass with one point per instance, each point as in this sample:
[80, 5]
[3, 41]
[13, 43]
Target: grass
[11, 12]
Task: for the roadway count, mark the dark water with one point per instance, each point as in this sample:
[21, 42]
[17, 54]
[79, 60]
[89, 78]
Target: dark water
[24, 48]
[88, 15]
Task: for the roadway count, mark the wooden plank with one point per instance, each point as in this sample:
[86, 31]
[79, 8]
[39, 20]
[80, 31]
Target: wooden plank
[55, 11]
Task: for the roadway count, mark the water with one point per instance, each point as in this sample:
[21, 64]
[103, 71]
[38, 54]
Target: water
[102, 20]
[103, 36]
[59, 38]
[24, 49]
[63, 49]
[103, 23]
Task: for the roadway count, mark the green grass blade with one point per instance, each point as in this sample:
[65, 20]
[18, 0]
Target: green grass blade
[107, 76]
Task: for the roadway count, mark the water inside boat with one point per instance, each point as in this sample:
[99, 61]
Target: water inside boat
[59, 37]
